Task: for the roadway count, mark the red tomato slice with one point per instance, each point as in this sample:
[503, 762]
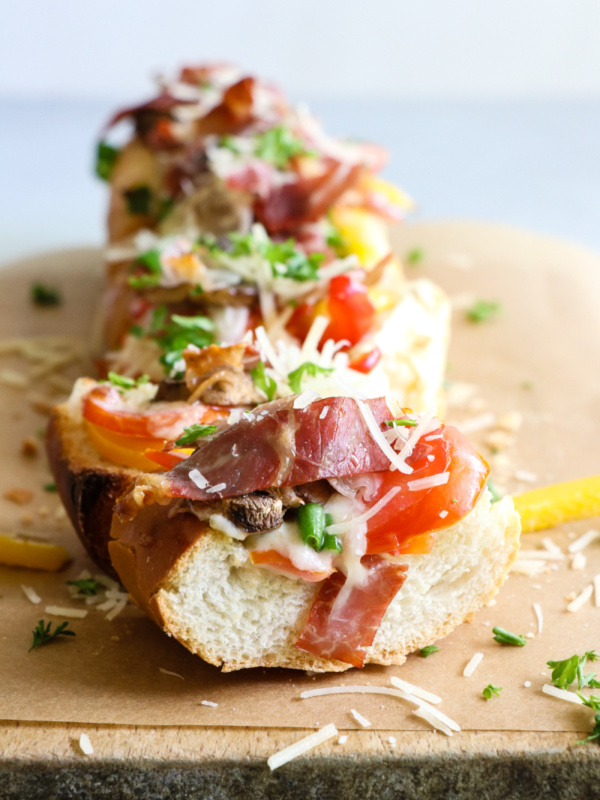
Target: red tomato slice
[169, 458]
[412, 513]
[105, 407]
[282, 564]
[367, 361]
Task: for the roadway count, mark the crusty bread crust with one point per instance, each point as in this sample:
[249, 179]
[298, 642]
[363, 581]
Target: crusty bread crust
[199, 586]
[87, 484]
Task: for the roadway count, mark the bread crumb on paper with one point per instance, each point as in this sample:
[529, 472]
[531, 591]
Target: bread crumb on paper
[19, 496]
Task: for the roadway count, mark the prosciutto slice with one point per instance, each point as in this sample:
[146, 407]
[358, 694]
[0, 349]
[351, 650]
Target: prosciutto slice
[279, 445]
[345, 635]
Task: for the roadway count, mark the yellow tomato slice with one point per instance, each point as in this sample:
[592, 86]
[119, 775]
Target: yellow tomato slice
[562, 502]
[32, 555]
[364, 234]
[391, 192]
[127, 451]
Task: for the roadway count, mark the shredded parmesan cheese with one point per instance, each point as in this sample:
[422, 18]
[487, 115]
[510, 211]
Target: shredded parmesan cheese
[168, 672]
[218, 488]
[583, 541]
[578, 561]
[415, 690]
[402, 695]
[305, 399]
[343, 739]
[31, 594]
[472, 665]
[551, 546]
[360, 719]
[528, 567]
[429, 482]
[60, 611]
[537, 610]
[425, 713]
[544, 555]
[340, 528]
[116, 609]
[395, 459]
[581, 599]
[561, 694]
[208, 703]
[302, 746]
[198, 478]
[85, 745]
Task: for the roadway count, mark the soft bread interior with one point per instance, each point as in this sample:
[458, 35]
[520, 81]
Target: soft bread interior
[236, 615]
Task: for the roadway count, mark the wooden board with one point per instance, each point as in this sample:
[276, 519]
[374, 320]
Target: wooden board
[223, 762]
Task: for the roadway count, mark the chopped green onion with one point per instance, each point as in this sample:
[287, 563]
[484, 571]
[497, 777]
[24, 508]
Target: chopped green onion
[414, 256]
[50, 487]
[483, 310]
[311, 520]
[42, 295]
[331, 542]
[106, 156]
[506, 637]
[427, 651]
[406, 423]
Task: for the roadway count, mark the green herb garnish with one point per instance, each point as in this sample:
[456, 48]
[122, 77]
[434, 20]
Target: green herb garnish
[47, 296]
[496, 496]
[285, 259]
[42, 633]
[123, 382]
[566, 672]
[150, 260]
[506, 637]
[138, 199]
[50, 487]
[483, 310]
[427, 651]
[403, 422]
[308, 368]
[106, 156]
[87, 586]
[278, 145]
[334, 238]
[194, 432]
[491, 690]
[312, 521]
[593, 702]
[229, 143]
[174, 335]
[263, 381]
[414, 256]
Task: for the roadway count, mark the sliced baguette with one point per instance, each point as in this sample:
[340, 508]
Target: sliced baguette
[200, 587]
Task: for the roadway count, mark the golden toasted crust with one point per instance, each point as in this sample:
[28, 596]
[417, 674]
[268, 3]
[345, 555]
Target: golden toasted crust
[88, 491]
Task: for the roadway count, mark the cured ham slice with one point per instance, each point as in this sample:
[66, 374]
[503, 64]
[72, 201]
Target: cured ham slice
[279, 445]
[345, 634]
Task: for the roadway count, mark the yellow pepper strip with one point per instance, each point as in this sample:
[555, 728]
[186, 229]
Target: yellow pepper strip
[127, 451]
[33, 555]
[364, 234]
[562, 502]
[392, 193]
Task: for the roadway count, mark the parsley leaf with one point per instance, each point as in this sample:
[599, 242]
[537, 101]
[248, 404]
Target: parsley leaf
[334, 238]
[42, 633]
[483, 310]
[566, 672]
[402, 422]
[150, 260]
[138, 199]
[593, 702]
[506, 637]
[490, 691]
[174, 335]
[123, 382]
[278, 145]
[50, 487]
[87, 586]
[308, 368]
[194, 432]
[427, 651]
[106, 156]
[263, 381]
[414, 256]
[42, 295]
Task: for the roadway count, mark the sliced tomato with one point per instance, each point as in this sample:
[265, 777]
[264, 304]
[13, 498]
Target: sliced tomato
[169, 458]
[348, 306]
[412, 513]
[344, 636]
[105, 407]
[367, 361]
[282, 564]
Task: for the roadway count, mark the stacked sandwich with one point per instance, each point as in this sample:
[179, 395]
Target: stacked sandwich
[240, 469]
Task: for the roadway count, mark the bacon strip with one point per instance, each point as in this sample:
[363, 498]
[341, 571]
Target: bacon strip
[345, 636]
[279, 445]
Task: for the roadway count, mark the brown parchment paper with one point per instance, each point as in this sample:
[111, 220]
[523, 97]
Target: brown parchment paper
[540, 357]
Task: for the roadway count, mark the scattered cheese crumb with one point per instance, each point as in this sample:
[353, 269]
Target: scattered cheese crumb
[360, 719]
[208, 703]
[537, 610]
[343, 739]
[527, 684]
[85, 745]
[443, 514]
[578, 561]
[472, 665]
[302, 746]
[581, 599]
[530, 635]
[392, 740]
[198, 478]
[31, 594]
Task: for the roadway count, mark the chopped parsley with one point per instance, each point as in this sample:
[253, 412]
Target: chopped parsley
[138, 199]
[42, 633]
[429, 650]
[415, 256]
[593, 702]
[46, 296]
[506, 637]
[263, 381]
[50, 487]
[334, 238]
[496, 496]
[123, 382]
[491, 690]
[566, 672]
[285, 259]
[229, 143]
[483, 310]
[403, 422]
[87, 586]
[194, 432]
[278, 145]
[106, 156]
[308, 368]
[174, 335]
[150, 261]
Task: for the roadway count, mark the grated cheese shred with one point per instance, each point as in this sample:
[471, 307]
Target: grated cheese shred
[31, 594]
[581, 599]
[302, 746]
[537, 610]
[61, 611]
[360, 719]
[410, 688]
[475, 661]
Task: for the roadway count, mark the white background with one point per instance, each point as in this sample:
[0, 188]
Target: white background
[317, 48]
